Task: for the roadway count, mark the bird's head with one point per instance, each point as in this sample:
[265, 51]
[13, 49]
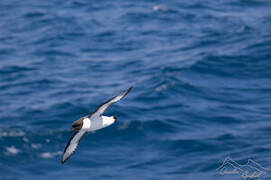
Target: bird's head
[77, 125]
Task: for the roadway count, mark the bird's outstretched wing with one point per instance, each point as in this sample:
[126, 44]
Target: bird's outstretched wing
[72, 145]
[101, 109]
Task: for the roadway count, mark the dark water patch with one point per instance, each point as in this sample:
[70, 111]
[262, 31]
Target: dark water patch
[34, 14]
[15, 69]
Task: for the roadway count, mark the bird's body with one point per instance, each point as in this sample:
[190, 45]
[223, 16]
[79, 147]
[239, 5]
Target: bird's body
[92, 122]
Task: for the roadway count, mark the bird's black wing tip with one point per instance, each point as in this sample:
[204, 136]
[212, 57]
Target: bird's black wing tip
[129, 89]
[63, 160]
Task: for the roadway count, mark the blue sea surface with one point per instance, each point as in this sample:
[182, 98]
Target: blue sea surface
[201, 72]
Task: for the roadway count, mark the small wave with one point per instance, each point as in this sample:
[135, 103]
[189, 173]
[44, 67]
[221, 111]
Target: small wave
[47, 155]
[164, 86]
[15, 133]
[12, 150]
[36, 146]
[154, 126]
[160, 8]
[25, 139]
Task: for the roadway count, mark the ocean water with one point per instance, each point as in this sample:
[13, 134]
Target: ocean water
[201, 72]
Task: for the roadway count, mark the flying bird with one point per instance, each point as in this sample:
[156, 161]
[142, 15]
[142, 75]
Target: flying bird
[92, 122]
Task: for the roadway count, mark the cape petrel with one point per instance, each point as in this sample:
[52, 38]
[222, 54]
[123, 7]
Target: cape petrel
[92, 122]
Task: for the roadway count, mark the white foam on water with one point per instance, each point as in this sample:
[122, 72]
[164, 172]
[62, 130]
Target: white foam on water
[36, 146]
[25, 139]
[47, 155]
[164, 86]
[12, 134]
[12, 150]
[159, 8]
